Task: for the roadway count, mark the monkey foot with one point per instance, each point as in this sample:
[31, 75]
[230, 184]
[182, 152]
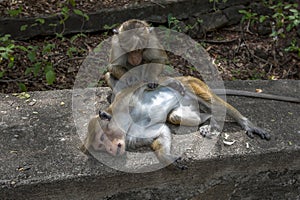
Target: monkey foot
[258, 131]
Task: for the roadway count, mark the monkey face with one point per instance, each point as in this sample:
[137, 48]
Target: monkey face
[135, 57]
[116, 147]
[102, 136]
[114, 140]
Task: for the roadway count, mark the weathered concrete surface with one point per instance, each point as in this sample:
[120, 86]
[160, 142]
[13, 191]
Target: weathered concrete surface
[153, 12]
[40, 158]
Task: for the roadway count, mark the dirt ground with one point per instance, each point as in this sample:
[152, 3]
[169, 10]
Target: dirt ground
[45, 7]
[238, 52]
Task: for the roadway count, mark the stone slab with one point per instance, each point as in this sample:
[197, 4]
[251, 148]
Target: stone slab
[40, 158]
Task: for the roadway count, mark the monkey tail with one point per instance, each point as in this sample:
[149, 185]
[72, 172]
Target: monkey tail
[197, 87]
[256, 95]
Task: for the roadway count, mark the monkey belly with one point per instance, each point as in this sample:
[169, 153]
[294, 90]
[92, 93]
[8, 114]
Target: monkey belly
[139, 136]
[154, 106]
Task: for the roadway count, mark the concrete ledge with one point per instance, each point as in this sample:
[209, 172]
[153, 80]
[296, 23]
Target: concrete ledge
[40, 158]
[153, 12]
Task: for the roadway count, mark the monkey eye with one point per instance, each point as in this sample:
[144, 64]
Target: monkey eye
[104, 116]
[102, 138]
[101, 147]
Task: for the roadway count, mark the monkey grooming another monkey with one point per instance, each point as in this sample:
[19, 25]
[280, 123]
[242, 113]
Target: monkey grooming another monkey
[134, 44]
[141, 114]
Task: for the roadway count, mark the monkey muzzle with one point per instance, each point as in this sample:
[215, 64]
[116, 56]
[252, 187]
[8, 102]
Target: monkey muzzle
[117, 147]
[135, 57]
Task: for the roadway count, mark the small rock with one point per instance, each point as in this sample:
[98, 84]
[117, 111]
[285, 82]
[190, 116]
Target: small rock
[32, 102]
[247, 145]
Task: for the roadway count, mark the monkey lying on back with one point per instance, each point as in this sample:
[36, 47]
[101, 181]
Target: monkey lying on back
[138, 114]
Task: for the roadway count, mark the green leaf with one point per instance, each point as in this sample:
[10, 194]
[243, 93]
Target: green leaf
[59, 35]
[5, 38]
[50, 77]
[73, 38]
[107, 27]
[262, 18]
[22, 87]
[87, 18]
[291, 17]
[65, 12]
[52, 25]
[48, 67]
[40, 20]
[16, 12]
[28, 70]
[36, 68]
[4, 55]
[80, 13]
[294, 10]
[23, 27]
[10, 46]
[11, 61]
[287, 6]
[48, 48]
[243, 12]
[72, 2]
[32, 56]
[10, 64]
[22, 48]
[71, 50]
[2, 74]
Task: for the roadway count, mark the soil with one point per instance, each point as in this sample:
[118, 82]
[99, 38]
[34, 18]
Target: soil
[238, 52]
[35, 8]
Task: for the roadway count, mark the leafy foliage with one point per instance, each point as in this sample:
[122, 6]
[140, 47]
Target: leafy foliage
[285, 18]
[39, 64]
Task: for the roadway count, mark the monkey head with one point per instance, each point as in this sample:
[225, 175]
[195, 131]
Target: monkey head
[133, 38]
[103, 136]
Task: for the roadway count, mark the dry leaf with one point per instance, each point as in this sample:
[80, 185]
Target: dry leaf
[258, 90]
[229, 143]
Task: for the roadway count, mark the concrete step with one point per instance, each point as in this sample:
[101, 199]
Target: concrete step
[40, 158]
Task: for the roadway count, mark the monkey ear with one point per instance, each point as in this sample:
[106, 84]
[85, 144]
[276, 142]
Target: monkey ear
[115, 31]
[104, 115]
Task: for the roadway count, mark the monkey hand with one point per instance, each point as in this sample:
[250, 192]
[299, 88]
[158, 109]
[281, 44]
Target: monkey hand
[152, 85]
[104, 115]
